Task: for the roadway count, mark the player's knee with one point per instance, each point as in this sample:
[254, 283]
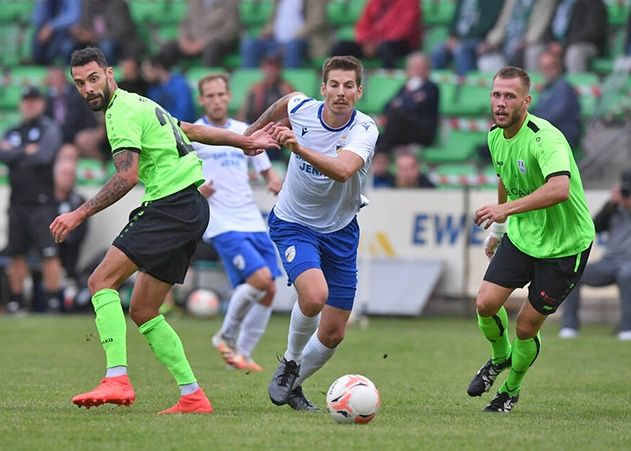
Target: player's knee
[270, 292]
[95, 283]
[332, 337]
[140, 315]
[526, 329]
[485, 306]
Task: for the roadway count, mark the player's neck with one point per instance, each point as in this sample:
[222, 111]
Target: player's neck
[510, 132]
[335, 120]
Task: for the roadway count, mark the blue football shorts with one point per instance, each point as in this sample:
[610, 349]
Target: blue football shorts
[243, 253]
[302, 248]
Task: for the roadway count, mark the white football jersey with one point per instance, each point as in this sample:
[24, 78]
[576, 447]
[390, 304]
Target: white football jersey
[309, 197]
[232, 206]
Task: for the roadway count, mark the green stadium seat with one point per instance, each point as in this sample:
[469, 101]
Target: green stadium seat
[241, 81]
[255, 12]
[144, 11]
[19, 11]
[618, 12]
[344, 12]
[434, 36]
[473, 100]
[10, 97]
[194, 74]
[459, 147]
[28, 75]
[4, 174]
[8, 119]
[438, 12]
[12, 37]
[304, 80]
[447, 102]
[379, 88]
[346, 33]
[232, 60]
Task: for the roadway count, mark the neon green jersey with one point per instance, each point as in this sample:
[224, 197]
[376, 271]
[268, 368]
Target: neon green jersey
[524, 163]
[167, 161]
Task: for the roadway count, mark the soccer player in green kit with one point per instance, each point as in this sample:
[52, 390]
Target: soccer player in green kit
[546, 241]
[147, 146]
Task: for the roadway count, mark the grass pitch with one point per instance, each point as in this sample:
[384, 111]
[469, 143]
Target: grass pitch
[576, 396]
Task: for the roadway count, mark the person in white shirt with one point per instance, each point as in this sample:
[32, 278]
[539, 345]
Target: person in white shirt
[314, 221]
[236, 229]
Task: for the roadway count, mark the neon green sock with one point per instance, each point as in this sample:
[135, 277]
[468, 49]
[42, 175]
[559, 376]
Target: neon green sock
[524, 354]
[495, 329]
[167, 346]
[110, 322]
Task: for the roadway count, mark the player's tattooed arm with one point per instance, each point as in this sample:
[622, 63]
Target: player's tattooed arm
[276, 113]
[123, 180]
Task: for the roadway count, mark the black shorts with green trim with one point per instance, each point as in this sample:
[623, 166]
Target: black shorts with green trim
[161, 235]
[551, 279]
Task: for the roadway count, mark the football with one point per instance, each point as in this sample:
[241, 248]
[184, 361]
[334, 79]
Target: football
[203, 303]
[353, 399]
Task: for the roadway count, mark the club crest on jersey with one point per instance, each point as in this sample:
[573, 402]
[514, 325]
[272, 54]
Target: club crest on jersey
[239, 262]
[290, 253]
[521, 166]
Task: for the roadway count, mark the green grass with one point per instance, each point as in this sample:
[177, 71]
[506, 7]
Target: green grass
[575, 397]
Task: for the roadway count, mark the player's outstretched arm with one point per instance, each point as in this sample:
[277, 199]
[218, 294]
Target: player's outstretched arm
[276, 113]
[123, 180]
[251, 145]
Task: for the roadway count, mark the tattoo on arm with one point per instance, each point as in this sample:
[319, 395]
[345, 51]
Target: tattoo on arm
[123, 180]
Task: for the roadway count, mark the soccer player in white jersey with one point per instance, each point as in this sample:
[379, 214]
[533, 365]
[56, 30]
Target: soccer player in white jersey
[236, 229]
[313, 222]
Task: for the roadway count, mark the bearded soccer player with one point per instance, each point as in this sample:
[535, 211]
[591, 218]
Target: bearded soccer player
[541, 234]
[147, 146]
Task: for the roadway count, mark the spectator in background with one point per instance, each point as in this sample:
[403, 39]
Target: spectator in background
[264, 93]
[108, 25]
[471, 22]
[209, 30]
[408, 173]
[132, 79]
[412, 114]
[387, 30]
[381, 175]
[169, 89]
[297, 28]
[79, 125]
[29, 150]
[579, 30]
[67, 199]
[520, 31]
[615, 264]
[558, 101]
[52, 20]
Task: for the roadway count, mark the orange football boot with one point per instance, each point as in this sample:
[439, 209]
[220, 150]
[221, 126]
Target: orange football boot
[196, 402]
[114, 390]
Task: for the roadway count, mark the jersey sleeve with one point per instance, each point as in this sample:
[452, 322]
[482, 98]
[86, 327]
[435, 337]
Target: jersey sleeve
[362, 139]
[124, 127]
[552, 153]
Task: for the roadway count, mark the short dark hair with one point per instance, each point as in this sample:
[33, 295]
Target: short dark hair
[514, 72]
[349, 63]
[213, 77]
[87, 55]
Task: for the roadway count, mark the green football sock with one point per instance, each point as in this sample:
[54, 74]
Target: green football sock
[524, 354]
[167, 346]
[495, 329]
[110, 322]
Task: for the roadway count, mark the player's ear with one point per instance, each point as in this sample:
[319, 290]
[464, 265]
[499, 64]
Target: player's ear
[360, 90]
[322, 89]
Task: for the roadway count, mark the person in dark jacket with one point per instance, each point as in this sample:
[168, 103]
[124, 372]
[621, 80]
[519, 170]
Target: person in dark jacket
[558, 100]
[412, 114]
[29, 150]
[615, 265]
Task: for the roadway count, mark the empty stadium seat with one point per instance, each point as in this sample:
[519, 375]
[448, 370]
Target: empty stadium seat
[438, 12]
[16, 11]
[344, 12]
[304, 80]
[379, 88]
[255, 12]
[459, 146]
[241, 81]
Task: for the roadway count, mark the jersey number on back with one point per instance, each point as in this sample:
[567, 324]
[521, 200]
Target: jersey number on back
[182, 147]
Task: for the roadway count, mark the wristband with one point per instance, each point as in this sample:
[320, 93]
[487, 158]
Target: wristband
[498, 229]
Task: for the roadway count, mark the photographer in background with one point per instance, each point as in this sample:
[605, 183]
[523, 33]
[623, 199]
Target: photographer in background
[615, 265]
